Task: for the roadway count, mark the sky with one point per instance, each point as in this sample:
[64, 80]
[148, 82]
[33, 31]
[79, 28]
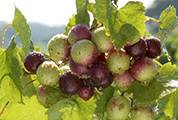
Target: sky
[49, 12]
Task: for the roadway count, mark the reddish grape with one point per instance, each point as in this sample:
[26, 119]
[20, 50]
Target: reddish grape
[86, 93]
[33, 60]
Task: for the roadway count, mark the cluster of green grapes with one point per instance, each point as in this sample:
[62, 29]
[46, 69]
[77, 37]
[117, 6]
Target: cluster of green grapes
[94, 63]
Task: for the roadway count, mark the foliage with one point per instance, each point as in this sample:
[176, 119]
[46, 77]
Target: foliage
[127, 24]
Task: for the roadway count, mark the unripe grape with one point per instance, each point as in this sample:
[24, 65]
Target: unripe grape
[79, 32]
[118, 108]
[144, 70]
[124, 81]
[58, 48]
[142, 114]
[84, 52]
[118, 62]
[102, 41]
[33, 60]
[48, 73]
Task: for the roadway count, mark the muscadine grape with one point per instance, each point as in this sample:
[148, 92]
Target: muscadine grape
[144, 70]
[86, 93]
[137, 50]
[102, 41]
[79, 32]
[142, 114]
[48, 73]
[58, 48]
[118, 62]
[124, 80]
[153, 47]
[33, 60]
[118, 108]
[84, 52]
[70, 83]
[100, 74]
[78, 69]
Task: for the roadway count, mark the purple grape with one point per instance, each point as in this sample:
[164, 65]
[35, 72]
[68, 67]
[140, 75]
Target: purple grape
[70, 84]
[153, 47]
[33, 60]
[78, 69]
[137, 50]
[79, 32]
[101, 75]
[86, 93]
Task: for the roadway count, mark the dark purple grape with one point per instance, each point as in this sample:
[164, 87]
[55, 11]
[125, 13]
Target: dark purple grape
[89, 82]
[86, 93]
[79, 32]
[33, 60]
[101, 75]
[78, 69]
[70, 84]
[101, 58]
[137, 50]
[153, 47]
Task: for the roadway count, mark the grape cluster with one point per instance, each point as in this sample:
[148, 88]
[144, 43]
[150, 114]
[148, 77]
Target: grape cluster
[94, 63]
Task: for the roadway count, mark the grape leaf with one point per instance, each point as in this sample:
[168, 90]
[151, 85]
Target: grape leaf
[30, 110]
[102, 102]
[82, 16]
[11, 64]
[129, 19]
[169, 105]
[145, 95]
[65, 109]
[167, 73]
[70, 24]
[22, 28]
[167, 18]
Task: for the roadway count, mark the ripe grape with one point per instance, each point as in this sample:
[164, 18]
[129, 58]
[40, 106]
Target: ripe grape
[79, 32]
[86, 93]
[153, 47]
[70, 84]
[33, 60]
[100, 74]
[137, 50]
[78, 69]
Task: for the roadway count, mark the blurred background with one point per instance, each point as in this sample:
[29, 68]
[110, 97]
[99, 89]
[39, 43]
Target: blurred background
[49, 17]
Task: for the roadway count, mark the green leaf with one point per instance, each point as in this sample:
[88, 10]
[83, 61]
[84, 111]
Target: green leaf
[70, 24]
[145, 95]
[121, 24]
[82, 16]
[65, 109]
[102, 102]
[30, 110]
[167, 73]
[11, 64]
[169, 105]
[167, 18]
[22, 28]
